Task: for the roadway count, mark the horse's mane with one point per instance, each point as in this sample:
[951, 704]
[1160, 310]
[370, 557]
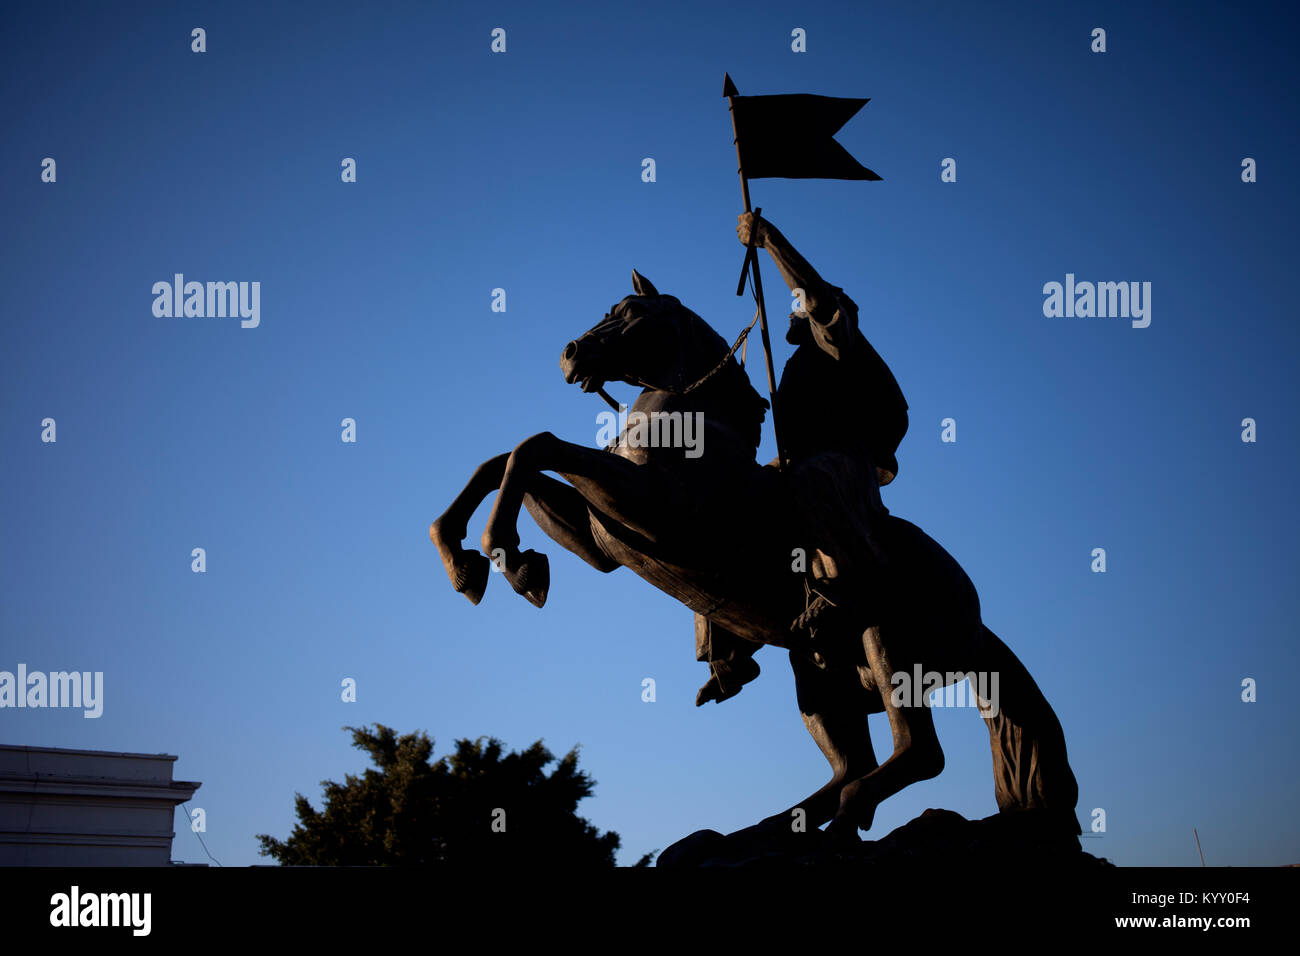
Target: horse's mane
[701, 339]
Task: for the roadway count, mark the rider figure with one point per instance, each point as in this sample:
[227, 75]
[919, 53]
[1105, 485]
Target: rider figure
[842, 416]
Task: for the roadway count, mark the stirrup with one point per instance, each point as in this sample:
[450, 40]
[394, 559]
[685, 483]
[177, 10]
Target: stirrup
[817, 605]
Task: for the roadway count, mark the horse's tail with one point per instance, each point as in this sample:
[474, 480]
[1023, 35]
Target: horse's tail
[1030, 768]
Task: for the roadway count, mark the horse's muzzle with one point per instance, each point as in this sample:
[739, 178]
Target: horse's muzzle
[572, 363]
[569, 363]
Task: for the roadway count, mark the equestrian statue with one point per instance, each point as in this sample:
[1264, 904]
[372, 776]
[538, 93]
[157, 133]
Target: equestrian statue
[800, 553]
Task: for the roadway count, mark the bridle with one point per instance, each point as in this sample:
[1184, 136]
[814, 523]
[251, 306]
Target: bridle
[686, 390]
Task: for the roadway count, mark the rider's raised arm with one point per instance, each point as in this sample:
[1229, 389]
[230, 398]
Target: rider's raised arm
[833, 315]
[834, 327]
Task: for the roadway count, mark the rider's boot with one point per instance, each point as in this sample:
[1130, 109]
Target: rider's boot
[727, 679]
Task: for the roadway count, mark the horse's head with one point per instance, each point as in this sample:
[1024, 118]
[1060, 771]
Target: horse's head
[652, 340]
[636, 342]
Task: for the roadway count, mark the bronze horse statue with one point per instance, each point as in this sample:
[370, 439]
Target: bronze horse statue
[686, 523]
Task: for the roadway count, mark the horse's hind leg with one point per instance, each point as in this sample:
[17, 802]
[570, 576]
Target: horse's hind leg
[917, 755]
[468, 570]
[832, 710]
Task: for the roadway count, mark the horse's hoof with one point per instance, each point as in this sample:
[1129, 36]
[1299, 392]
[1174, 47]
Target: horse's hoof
[843, 830]
[470, 576]
[532, 577]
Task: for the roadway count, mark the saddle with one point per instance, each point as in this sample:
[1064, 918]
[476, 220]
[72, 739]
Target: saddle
[841, 532]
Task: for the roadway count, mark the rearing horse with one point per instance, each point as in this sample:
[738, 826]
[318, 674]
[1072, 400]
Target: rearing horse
[679, 521]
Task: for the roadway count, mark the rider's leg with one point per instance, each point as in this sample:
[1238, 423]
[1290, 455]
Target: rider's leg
[841, 505]
[730, 659]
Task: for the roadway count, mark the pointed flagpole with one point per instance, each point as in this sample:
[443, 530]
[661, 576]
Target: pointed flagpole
[751, 260]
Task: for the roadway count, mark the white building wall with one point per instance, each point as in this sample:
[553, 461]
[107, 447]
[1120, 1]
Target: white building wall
[87, 807]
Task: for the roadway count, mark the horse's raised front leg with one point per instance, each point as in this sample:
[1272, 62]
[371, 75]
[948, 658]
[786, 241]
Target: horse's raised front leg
[562, 513]
[558, 510]
[468, 571]
[625, 492]
[917, 755]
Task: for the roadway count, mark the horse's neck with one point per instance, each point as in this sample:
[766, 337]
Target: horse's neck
[698, 359]
[725, 433]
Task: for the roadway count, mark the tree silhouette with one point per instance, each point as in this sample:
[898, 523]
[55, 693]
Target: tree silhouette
[472, 808]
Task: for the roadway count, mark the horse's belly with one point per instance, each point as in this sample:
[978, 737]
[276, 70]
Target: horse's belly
[699, 591]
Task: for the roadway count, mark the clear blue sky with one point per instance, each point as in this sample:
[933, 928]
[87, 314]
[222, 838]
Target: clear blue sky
[523, 171]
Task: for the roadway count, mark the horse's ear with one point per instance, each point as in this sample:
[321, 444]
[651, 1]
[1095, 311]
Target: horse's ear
[641, 285]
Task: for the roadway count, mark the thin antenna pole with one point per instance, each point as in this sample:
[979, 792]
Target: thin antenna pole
[1198, 845]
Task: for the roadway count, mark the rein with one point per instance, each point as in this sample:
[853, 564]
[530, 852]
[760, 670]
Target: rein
[740, 340]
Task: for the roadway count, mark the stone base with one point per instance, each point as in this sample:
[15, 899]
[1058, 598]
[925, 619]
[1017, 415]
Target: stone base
[935, 838]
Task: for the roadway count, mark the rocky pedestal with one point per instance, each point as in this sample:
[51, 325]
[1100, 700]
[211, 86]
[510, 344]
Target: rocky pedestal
[1017, 839]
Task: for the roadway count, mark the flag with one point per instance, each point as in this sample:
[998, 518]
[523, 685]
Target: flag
[791, 135]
